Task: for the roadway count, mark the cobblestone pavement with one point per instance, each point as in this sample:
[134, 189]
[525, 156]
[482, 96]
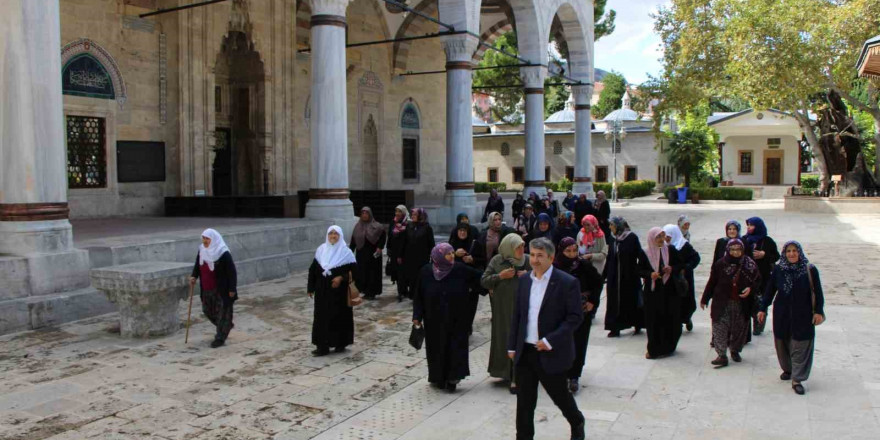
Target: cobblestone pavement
[83, 381]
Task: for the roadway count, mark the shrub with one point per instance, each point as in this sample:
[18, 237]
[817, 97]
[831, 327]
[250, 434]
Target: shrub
[560, 186]
[810, 182]
[723, 193]
[484, 187]
[627, 190]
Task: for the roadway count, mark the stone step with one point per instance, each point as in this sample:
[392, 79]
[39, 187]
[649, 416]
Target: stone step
[50, 310]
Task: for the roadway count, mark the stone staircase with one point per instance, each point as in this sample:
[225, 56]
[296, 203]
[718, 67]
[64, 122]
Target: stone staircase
[261, 253]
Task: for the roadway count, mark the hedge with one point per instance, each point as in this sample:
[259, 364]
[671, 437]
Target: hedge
[720, 193]
[810, 182]
[484, 187]
[627, 190]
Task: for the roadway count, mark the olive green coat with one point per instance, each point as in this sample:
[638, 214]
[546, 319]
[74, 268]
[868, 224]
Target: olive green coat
[503, 297]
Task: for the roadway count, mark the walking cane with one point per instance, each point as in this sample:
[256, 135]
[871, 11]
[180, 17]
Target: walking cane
[189, 312]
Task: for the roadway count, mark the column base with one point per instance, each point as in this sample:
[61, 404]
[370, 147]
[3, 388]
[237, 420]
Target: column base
[579, 188]
[454, 202]
[338, 211]
[35, 237]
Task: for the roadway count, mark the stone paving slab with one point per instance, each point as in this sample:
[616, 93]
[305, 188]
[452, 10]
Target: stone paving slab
[82, 381]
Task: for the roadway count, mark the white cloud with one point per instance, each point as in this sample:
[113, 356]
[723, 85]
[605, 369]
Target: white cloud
[633, 48]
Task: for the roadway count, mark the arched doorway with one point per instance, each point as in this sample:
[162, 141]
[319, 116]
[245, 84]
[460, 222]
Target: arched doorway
[239, 160]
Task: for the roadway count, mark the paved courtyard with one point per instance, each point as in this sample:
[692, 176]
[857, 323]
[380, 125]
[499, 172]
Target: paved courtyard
[83, 381]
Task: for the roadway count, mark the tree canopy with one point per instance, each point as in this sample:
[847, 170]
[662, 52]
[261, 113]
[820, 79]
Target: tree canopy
[611, 95]
[692, 149]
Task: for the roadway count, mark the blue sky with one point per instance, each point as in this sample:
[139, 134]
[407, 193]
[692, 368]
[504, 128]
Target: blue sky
[633, 48]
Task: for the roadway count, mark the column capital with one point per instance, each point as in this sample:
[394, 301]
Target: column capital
[582, 94]
[329, 7]
[533, 76]
[460, 47]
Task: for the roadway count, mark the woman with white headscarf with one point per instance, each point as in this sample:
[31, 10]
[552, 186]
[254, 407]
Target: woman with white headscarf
[690, 259]
[329, 278]
[216, 271]
[662, 302]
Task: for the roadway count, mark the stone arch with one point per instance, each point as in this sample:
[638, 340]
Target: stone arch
[87, 47]
[573, 28]
[531, 33]
[490, 35]
[303, 28]
[412, 25]
[410, 116]
[409, 120]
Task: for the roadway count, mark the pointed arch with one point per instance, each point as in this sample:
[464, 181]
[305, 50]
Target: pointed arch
[86, 47]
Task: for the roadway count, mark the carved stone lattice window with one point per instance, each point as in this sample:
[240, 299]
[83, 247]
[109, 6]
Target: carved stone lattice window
[505, 149]
[86, 152]
[557, 147]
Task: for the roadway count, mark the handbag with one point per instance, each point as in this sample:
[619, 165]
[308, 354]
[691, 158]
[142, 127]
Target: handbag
[681, 285]
[812, 287]
[354, 295]
[417, 336]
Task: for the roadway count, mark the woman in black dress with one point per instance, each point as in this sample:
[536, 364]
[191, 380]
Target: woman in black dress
[494, 204]
[517, 206]
[417, 245]
[465, 245]
[368, 240]
[625, 256]
[583, 208]
[763, 250]
[591, 288]
[690, 259]
[396, 240]
[462, 218]
[662, 301]
[219, 283]
[544, 227]
[329, 278]
[441, 304]
[732, 230]
[603, 214]
[567, 227]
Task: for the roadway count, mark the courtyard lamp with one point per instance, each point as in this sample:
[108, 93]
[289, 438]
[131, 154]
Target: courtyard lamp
[616, 133]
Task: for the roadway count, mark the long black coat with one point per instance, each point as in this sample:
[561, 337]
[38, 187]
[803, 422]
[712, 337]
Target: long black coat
[444, 309]
[416, 251]
[496, 205]
[394, 248]
[793, 307]
[368, 274]
[690, 259]
[766, 264]
[624, 284]
[333, 324]
[662, 307]
[225, 274]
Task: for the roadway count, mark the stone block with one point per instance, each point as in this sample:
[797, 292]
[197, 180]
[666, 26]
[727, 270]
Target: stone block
[147, 294]
[58, 272]
[52, 310]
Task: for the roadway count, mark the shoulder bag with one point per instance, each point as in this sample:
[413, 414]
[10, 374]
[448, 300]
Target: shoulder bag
[354, 295]
[812, 288]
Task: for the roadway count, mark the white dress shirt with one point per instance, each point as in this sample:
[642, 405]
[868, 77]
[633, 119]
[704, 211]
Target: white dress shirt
[536, 298]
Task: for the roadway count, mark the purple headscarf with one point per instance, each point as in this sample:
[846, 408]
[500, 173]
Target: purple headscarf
[439, 263]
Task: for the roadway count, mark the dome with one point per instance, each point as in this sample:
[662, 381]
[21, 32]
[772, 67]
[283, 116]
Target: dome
[624, 113]
[566, 115]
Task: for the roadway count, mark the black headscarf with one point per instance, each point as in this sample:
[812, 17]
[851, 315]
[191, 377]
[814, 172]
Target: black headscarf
[568, 265]
[458, 243]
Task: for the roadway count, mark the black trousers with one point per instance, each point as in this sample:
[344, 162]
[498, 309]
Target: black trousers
[581, 341]
[529, 373]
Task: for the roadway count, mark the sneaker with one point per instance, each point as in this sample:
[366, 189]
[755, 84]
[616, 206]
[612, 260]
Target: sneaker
[785, 376]
[720, 361]
[735, 356]
[573, 385]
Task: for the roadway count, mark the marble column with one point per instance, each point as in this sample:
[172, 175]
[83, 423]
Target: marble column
[533, 82]
[583, 168]
[328, 190]
[33, 167]
[460, 195]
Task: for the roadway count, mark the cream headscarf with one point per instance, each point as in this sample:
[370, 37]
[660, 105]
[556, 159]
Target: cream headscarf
[215, 250]
[331, 256]
[508, 247]
[674, 233]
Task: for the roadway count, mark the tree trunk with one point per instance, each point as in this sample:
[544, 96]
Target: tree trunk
[819, 155]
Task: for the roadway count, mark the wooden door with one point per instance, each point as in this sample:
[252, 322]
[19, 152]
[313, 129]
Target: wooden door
[774, 171]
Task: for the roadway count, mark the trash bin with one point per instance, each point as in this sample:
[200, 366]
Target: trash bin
[682, 195]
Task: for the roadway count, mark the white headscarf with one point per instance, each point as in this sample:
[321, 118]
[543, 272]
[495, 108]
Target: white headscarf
[214, 251]
[331, 256]
[674, 232]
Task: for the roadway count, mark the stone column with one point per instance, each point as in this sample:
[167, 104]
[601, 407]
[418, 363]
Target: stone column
[33, 167]
[583, 168]
[533, 81]
[459, 128]
[328, 192]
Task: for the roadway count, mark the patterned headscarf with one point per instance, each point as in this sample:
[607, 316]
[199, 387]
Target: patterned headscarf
[440, 265]
[792, 271]
[743, 267]
[568, 265]
[400, 224]
[590, 237]
[654, 254]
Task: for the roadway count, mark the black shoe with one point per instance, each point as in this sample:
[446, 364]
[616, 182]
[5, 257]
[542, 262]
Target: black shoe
[689, 325]
[320, 351]
[785, 376]
[798, 388]
[579, 432]
[370, 297]
[735, 356]
[513, 389]
[339, 349]
[450, 386]
[614, 334]
[217, 342]
[573, 386]
[720, 361]
[399, 298]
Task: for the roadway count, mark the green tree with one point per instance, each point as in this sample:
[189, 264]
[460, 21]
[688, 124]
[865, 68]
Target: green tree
[781, 54]
[603, 23]
[692, 149]
[609, 99]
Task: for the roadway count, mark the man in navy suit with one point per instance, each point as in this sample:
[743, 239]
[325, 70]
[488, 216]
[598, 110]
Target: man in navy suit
[547, 312]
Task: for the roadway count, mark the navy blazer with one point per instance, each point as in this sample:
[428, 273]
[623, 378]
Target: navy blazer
[561, 313]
